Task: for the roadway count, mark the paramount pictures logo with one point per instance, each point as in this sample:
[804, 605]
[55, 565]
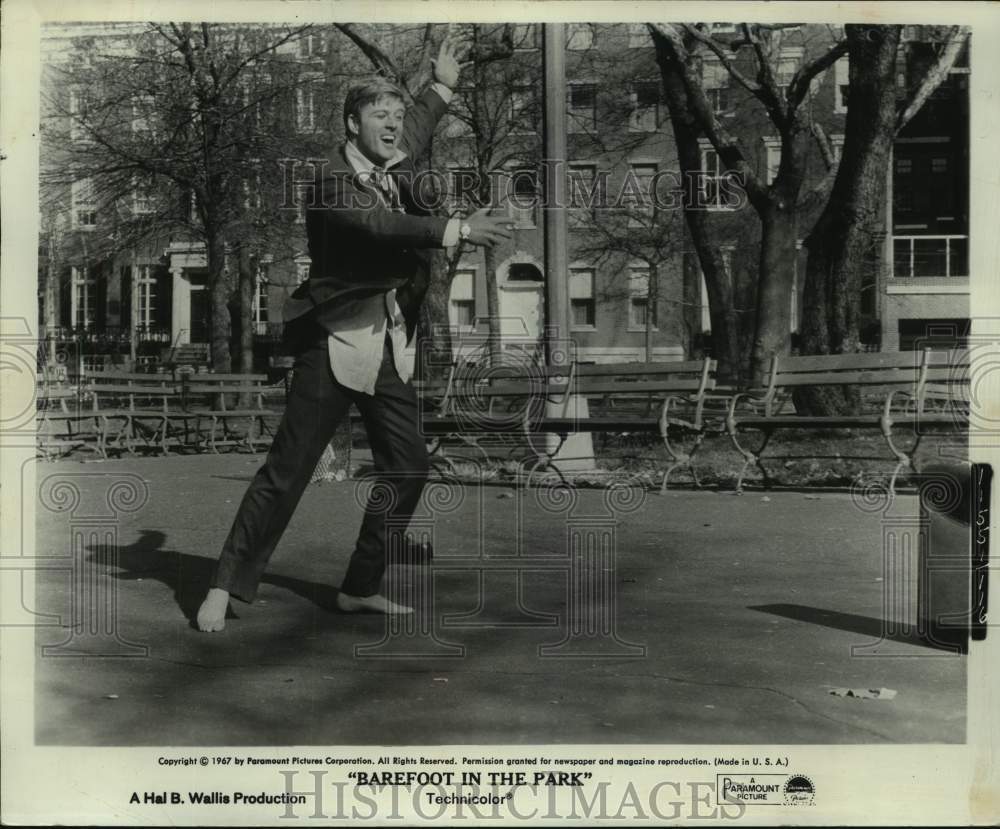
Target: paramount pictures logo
[764, 789]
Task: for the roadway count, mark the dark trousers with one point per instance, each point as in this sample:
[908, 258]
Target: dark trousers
[316, 404]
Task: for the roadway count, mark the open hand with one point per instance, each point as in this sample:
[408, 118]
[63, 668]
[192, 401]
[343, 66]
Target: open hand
[446, 66]
[487, 230]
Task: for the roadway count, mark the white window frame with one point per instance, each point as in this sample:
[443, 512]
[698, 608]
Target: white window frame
[580, 216]
[302, 264]
[525, 218]
[83, 296]
[455, 302]
[145, 300]
[579, 36]
[837, 145]
[78, 111]
[705, 146]
[841, 78]
[82, 197]
[633, 270]
[301, 200]
[526, 40]
[772, 158]
[577, 269]
[640, 117]
[142, 200]
[305, 105]
[638, 36]
[787, 54]
[141, 109]
[261, 310]
[307, 45]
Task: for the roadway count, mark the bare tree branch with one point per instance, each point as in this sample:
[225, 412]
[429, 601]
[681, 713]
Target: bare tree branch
[935, 76]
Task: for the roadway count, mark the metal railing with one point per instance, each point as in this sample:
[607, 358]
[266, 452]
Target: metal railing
[108, 334]
[918, 256]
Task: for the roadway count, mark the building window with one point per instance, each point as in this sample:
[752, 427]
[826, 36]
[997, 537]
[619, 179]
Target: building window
[789, 59]
[84, 204]
[841, 73]
[772, 158]
[638, 194]
[302, 270]
[253, 188]
[581, 297]
[522, 198]
[462, 299]
[638, 291]
[582, 107]
[84, 298]
[579, 36]
[837, 146]
[145, 288]
[638, 36]
[523, 110]
[303, 196]
[525, 36]
[715, 195]
[143, 108]
[715, 81]
[645, 107]
[80, 104]
[142, 199]
[305, 106]
[584, 194]
[312, 45]
[260, 303]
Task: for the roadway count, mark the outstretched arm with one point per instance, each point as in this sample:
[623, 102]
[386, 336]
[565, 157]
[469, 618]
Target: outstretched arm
[424, 113]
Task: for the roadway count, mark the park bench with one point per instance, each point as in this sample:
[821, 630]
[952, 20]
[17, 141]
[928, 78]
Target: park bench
[138, 409]
[917, 391]
[222, 401]
[62, 415]
[522, 403]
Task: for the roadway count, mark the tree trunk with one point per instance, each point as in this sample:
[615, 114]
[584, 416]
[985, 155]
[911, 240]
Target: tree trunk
[218, 285]
[776, 276]
[848, 228]
[652, 294]
[245, 293]
[493, 340]
[434, 347]
[725, 325]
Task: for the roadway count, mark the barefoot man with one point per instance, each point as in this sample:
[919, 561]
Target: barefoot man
[349, 324]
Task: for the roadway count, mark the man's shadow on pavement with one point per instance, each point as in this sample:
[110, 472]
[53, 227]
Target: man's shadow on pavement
[188, 576]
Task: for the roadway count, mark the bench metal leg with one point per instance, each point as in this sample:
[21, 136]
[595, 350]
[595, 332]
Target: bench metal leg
[749, 456]
[904, 458]
[680, 458]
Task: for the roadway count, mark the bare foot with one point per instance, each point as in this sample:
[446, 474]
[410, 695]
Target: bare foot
[212, 613]
[372, 604]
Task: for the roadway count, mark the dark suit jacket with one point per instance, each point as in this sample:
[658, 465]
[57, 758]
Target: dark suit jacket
[358, 245]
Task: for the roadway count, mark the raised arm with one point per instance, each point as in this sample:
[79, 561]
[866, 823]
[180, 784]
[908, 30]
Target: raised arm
[424, 113]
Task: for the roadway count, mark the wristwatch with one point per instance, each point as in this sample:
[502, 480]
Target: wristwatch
[465, 231]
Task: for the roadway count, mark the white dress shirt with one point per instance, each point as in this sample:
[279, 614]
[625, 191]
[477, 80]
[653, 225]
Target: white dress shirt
[357, 327]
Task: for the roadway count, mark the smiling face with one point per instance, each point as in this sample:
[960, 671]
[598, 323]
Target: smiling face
[378, 128]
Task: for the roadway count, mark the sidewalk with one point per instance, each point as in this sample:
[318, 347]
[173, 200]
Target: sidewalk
[729, 620]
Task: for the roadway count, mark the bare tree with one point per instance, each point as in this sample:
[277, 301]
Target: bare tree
[179, 133]
[680, 49]
[847, 231]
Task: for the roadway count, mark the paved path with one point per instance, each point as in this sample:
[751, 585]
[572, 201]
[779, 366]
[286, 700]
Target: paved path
[719, 619]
